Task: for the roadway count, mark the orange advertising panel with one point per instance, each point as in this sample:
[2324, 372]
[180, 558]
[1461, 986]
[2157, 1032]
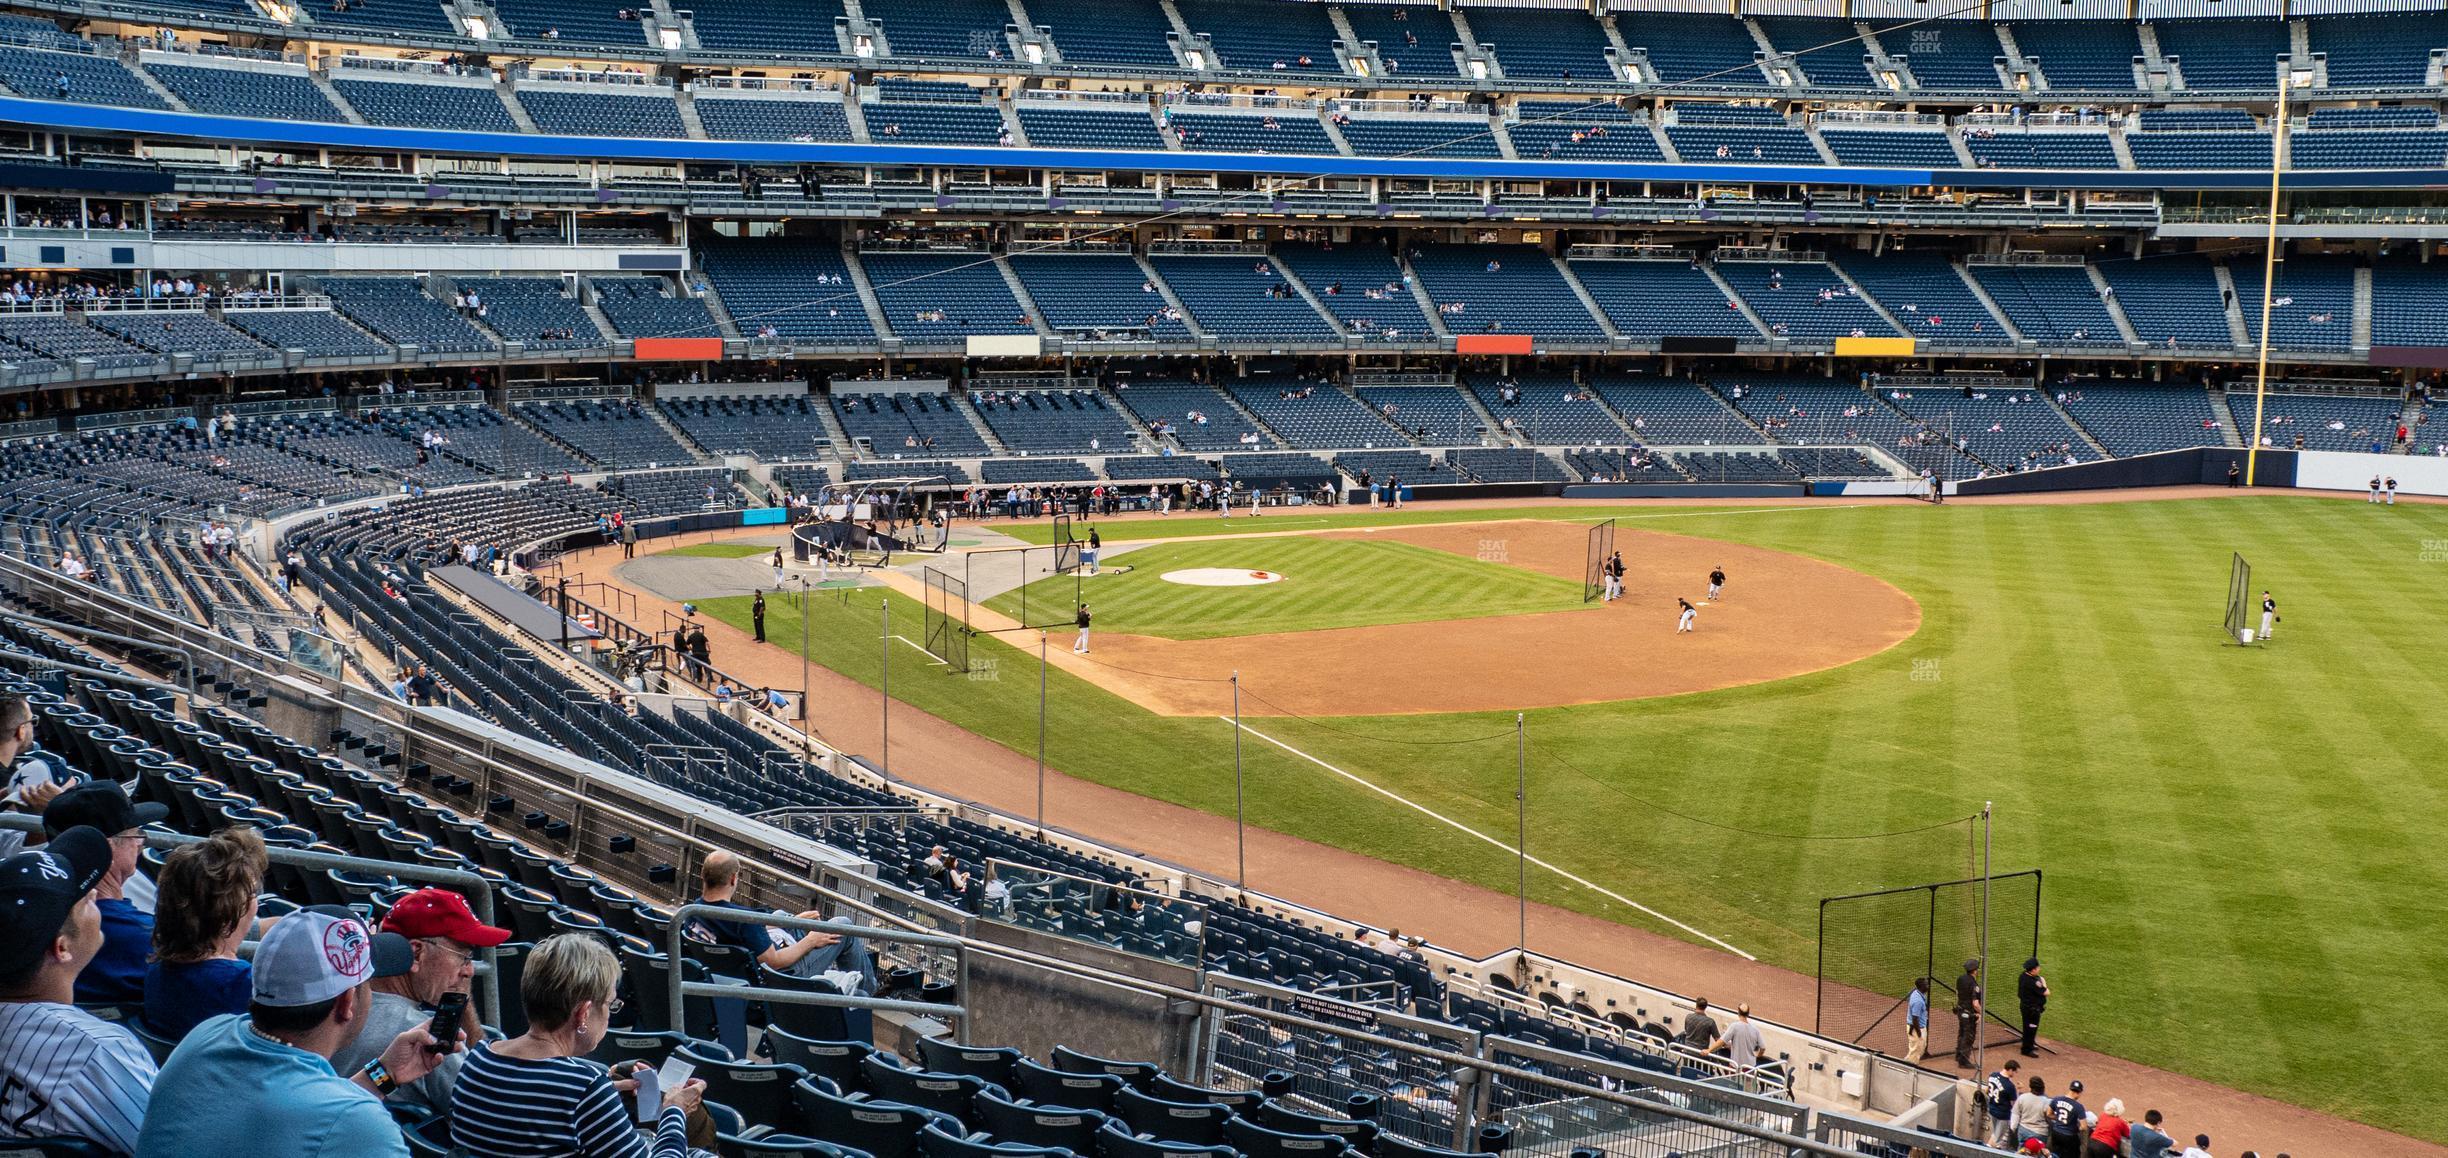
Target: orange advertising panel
[679, 349]
[1492, 344]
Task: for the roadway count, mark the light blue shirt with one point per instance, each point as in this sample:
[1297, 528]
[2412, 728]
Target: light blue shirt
[1916, 1010]
[227, 1091]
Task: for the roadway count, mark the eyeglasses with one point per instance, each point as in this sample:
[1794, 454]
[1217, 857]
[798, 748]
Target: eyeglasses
[441, 946]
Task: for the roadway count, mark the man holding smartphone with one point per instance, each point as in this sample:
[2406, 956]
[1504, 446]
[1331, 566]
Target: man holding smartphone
[445, 937]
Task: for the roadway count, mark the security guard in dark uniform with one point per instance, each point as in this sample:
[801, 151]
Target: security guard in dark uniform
[1967, 1012]
[756, 613]
[2031, 992]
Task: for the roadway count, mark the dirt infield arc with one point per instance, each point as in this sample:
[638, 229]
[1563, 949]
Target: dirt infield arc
[1784, 615]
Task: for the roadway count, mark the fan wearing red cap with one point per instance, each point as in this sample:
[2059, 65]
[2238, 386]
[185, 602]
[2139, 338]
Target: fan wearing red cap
[446, 937]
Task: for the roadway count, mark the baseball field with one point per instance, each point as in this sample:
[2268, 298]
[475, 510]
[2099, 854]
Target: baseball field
[2240, 886]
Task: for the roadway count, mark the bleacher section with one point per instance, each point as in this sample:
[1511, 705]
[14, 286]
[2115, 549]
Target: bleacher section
[320, 333]
[1924, 294]
[1195, 416]
[481, 435]
[2378, 49]
[1359, 284]
[397, 309]
[1430, 415]
[2173, 302]
[750, 118]
[1739, 133]
[2408, 300]
[2230, 53]
[1674, 412]
[1412, 39]
[1088, 293]
[775, 29]
[649, 307]
[1318, 417]
[1803, 300]
[618, 433]
[1946, 54]
[2311, 306]
[1230, 298]
[1513, 289]
[1797, 409]
[2233, 148]
[1055, 422]
[2322, 421]
[1581, 130]
[73, 76]
[1647, 300]
[2081, 54]
[418, 105]
[775, 428]
[1827, 48]
[2050, 304]
[1686, 46]
[1031, 471]
[247, 92]
[943, 297]
[577, 21]
[1067, 125]
[909, 425]
[169, 332]
[2137, 418]
[1290, 131]
[673, 492]
[2008, 429]
[798, 287]
[1265, 35]
[1547, 44]
[55, 337]
[1420, 137]
[932, 113]
[1626, 465]
[611, 113]
[1095, 32]
[1550, 410]
[533, 311]
[2368, 148]
[2029, 148]
[943, 29]
[343, 443]
[1902, 148]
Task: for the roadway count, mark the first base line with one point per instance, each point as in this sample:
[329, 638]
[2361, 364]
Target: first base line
[1458, 826]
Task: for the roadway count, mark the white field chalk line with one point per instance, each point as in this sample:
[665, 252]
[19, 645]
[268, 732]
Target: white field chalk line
[1718, 511]
[1423, 809]
[921, 648]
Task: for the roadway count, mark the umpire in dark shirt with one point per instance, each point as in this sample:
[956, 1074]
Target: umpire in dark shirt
[1967, 1012]
[2031, 992]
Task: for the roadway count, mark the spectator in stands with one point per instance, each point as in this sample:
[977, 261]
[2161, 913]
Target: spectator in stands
[1699, 1029]
[206, 908]
[262, 1083]
[2109, 1132]
[2200, 1147]
[444, 938]
[1741, 1043]
[63, 1071]
[534, 1095]
[29, 787]
[2031, 1114]
[2150, 1140]
[806, 956]
[1916, 1011]
[116, 974]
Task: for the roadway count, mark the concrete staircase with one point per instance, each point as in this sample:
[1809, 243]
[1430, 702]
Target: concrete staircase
[323, 84]
[2116, 309]
[1876, 306]
[519, 420]
[2237, 328]
[1275, 441]
[687, 101]
[2362, 309]
[1419, 291]
[977, 422]
[2071, 421]
[1166, 292]
[509, 100]
[696, 449]
[1487, 418]
[866, 292]
[1011, 281]
[722, 316]
[1587, 302]
[1988, 303]
[1302, 288]
[2227, 418]
[156, 87]
[1748, 313]
[835, 437]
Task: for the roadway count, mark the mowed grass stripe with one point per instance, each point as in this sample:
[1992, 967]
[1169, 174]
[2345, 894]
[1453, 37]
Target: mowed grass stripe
[2235, 839]
[1328, 583]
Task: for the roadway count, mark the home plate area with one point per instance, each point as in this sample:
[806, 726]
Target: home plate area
[1219, 577]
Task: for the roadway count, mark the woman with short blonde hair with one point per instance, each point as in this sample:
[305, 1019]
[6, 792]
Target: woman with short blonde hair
[206, 909]
[533, 1094]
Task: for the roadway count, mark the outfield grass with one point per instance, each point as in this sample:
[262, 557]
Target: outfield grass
[1327, 583]
[2239, 843]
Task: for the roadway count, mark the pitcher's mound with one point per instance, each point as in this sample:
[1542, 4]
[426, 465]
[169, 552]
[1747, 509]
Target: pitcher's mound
[1219, 577]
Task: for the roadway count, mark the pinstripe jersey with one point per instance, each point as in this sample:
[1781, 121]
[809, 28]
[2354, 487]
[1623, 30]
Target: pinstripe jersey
[65, 1071]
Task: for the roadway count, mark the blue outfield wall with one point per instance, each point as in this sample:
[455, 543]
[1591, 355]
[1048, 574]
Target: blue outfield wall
[55, 116]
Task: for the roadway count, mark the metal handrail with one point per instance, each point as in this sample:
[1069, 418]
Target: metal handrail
[681, 989]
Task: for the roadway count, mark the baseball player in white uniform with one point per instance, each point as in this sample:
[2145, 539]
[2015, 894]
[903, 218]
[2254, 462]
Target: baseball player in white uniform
[1690, 614]
[63, 1071]
[2269, 615]
[1080, 646]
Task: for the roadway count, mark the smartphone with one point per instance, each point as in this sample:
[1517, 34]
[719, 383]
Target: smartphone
[447, 1022]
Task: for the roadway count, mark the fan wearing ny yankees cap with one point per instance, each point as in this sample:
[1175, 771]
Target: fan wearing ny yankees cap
[447, 939]
[63, 1071]
[116, 976]
[261, 1083]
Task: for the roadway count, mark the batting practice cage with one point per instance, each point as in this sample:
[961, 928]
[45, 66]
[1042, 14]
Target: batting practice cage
[994, 572]
[947, 618]
[1593, 567]
[1873, 946]
[2239, 600]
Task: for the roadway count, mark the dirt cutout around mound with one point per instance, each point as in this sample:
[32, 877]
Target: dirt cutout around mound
[1782, 615]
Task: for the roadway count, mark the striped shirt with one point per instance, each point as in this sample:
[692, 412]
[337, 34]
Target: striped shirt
[64, 1071]
[506, 1107]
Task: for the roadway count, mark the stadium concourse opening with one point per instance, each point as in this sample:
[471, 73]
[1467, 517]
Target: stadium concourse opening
[1784, 615]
